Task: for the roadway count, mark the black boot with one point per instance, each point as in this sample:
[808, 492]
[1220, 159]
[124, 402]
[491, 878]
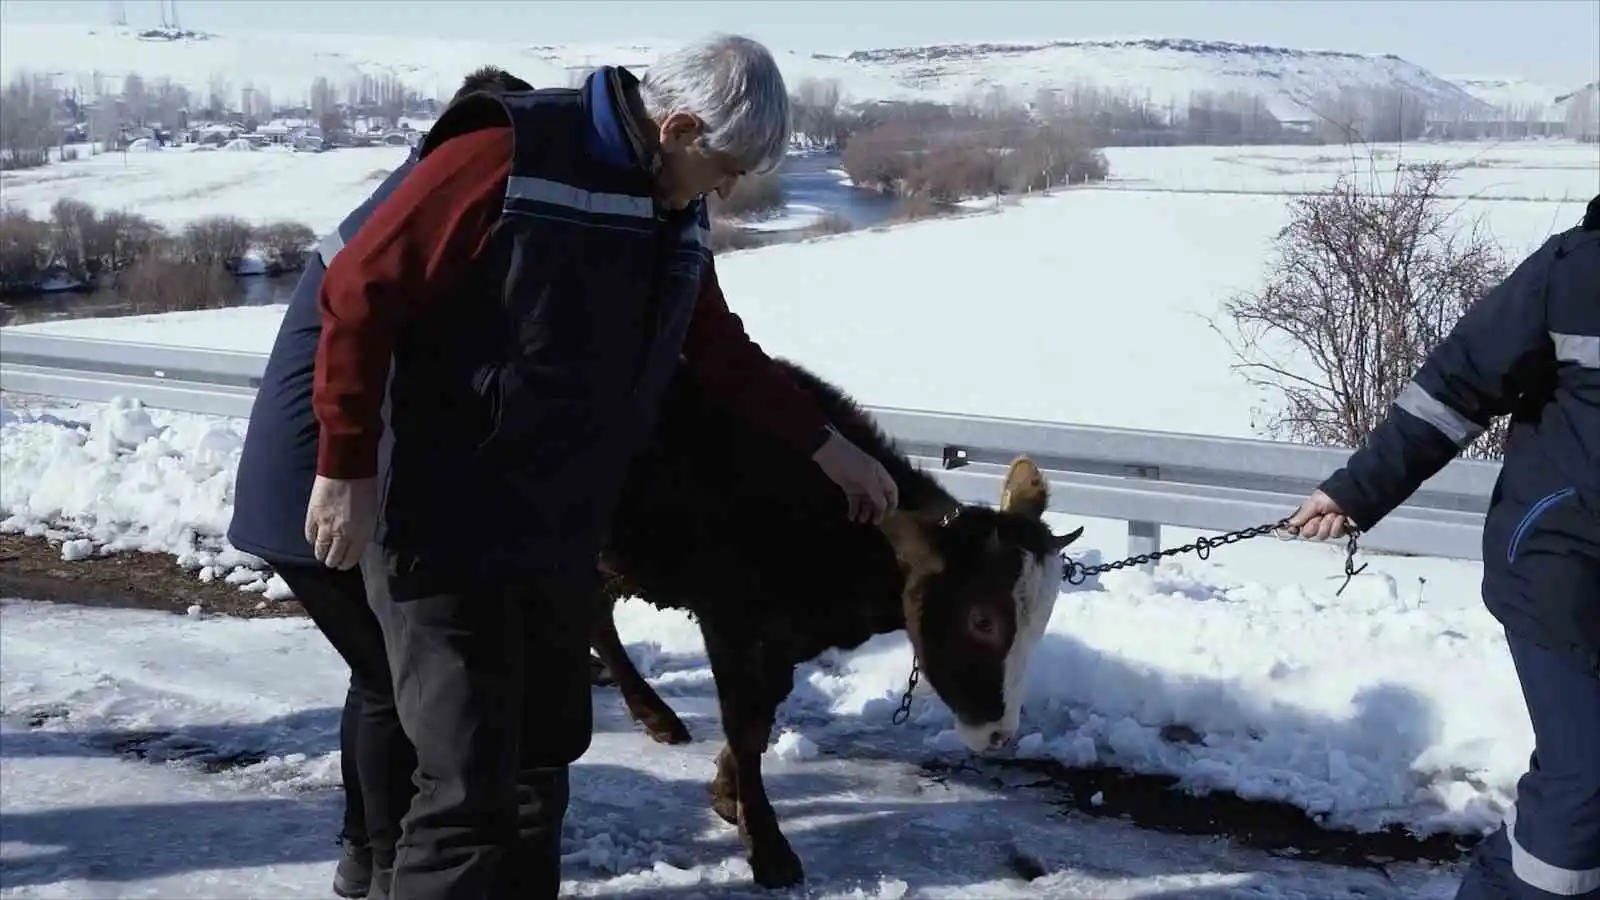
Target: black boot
[353, 877]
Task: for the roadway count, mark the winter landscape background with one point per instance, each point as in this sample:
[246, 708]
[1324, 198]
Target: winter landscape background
[1082, 224]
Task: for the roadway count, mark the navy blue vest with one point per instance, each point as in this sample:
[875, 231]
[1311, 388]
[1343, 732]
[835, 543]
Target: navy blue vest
[516, 410]
[279, 459]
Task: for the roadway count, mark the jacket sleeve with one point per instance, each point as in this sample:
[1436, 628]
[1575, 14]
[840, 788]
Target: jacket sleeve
[1474, 375]
[736, 373]
[412, 254]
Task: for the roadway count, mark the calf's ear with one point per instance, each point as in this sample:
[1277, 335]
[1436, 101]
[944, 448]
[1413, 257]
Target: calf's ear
[1025, 491]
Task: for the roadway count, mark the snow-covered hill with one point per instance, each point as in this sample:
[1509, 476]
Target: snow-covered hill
[1519, 97]
[285, 64]
[1292, 82]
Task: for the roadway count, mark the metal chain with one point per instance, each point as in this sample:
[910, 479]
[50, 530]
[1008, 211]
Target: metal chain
[1077, 573]
[904, 712]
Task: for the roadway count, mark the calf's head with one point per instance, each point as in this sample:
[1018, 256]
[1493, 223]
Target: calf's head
[979, 588]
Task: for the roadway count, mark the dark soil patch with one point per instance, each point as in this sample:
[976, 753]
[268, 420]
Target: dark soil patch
[1157, 802]
[163, 747]
[32, 568]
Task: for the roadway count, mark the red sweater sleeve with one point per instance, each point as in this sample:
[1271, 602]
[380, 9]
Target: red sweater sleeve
[738, 374]
[416, 249]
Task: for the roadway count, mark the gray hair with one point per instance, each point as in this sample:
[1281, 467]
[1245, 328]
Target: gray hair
[732, 84]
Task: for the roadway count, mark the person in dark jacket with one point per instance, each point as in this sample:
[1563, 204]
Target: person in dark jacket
[518, 306]
[1530, 350]
[276, 469]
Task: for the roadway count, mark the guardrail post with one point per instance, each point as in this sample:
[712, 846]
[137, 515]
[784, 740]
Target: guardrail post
[1144, 537]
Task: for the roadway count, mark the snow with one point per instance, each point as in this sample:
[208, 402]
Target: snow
[175, 186]
[1394, 703]
[1039, 279]
[284, 64]
[1292, 82]
[794, 217]
[153, 755]
[1514, 95]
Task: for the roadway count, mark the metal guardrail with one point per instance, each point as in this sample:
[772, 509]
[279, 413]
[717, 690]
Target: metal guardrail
[1146, 478]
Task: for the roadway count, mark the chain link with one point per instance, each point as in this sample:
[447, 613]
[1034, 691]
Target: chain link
[1078, 573]
[904, 712]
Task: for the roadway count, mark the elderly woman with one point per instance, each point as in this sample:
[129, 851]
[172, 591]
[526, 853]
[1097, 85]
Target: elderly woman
[514, 311]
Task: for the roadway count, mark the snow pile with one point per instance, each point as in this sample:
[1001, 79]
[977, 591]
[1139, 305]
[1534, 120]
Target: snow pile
[114, 479]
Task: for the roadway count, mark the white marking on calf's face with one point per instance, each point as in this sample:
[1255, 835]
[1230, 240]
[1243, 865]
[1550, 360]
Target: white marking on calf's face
[1034, 596]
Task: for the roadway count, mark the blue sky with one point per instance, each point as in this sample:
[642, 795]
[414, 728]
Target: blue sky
[1554, 41]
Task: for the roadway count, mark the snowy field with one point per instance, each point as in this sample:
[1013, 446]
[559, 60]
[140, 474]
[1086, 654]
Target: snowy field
[1027, 295]
[1561, 172]
[176, 186]
[1395, 703]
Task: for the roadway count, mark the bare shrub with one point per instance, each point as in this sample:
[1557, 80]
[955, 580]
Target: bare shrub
[881, 158]
[726, 235]
[751, 194]
[12, 160]
[829, 223]
[1052, 157]
[157, 284]
[1363, 286]
[956, 171]
[216, 240]
[129, 237]
[24, 249]
[285, 245]
[77, 238]
[912, 208]
[970, 152]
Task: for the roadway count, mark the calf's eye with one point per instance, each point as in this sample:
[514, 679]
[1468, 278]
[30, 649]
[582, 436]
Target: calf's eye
[980, 622]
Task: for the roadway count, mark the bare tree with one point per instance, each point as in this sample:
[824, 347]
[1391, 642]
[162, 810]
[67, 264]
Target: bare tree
[77, 240]
[218, 90]
[24, 249]
[750, 194]
[129, 238]
[170, 104]
[325, 107]
[1364, 285]
[1583, 113]
[135, 103]
[215, 241]
[27, 120]
[285, 245]
[155, 284]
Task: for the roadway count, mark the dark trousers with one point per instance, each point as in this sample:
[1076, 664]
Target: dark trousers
[491, 681]
[1549, 846]
[376, 759]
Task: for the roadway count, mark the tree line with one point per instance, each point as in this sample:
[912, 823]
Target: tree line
[155, 269]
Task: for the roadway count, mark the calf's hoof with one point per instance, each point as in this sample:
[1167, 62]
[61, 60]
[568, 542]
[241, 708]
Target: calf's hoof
[776, 865]
[668, 731]
[725, 802]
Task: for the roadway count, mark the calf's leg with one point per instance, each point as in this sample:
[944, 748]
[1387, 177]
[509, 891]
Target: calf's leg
[643, 703]
[750, 687]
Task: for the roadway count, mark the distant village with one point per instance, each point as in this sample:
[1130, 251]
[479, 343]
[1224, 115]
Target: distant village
[299, 127]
